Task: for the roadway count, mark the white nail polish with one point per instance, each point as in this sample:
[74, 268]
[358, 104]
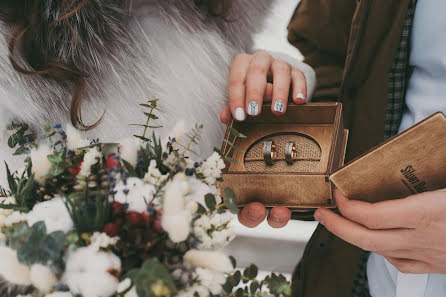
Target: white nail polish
[239, 114]
[253, 108]
[300, 96]
[279, 106]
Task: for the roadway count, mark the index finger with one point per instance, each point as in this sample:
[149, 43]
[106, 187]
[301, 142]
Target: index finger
[360, 236]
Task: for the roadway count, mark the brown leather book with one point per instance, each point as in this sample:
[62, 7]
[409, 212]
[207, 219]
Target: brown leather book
[411, 162]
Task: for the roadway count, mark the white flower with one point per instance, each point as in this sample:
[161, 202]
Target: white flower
[198, 190]
[14, 218]
[4, 213]
[88, 272]
[153, 175]
[214, 232]
[40, 163]
[53, 213]
[190, 291]
[59, 294]
[74, 138]
[213, 280]
[170, 161]
[212, 260]
[102, 240]
[128, 150]
[131, 293]
[135, 192]
[176, 219]
[211, 168]
[2, 239]
[91, 157]
[11, 269]
[42, 278]
[124, 285]
[177, 132]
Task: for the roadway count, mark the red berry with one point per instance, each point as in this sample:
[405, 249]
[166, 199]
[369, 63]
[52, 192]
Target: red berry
[111, 229]
[79, 165]
[147, 219]
[73, 171]
[112, 161]
[117, 209]
[134, 218]
[119, 222]
[157, 226]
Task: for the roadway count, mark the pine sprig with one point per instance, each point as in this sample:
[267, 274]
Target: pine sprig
[194, 138]
[152, 105]
[235, 135]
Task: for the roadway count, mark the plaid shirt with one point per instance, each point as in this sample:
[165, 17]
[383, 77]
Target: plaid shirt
[398, 78]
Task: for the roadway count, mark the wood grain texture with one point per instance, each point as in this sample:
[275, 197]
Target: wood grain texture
[298, 190]
[408, 163]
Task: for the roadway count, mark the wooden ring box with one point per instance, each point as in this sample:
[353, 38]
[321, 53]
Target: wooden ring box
[317, 131]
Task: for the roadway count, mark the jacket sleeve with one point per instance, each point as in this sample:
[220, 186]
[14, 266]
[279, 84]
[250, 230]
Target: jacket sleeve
[320, 29]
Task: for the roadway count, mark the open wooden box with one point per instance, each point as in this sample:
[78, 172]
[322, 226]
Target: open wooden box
[317, 131]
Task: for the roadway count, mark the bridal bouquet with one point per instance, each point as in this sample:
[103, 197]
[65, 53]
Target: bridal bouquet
[138, 218]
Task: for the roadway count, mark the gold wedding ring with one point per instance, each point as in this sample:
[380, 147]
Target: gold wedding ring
[269, 152]
[290, 152]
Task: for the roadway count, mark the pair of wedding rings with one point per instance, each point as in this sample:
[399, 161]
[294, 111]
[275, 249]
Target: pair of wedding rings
[270, 152]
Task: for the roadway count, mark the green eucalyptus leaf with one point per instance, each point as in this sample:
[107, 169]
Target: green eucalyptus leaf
[228, 285]
[230, 160]
[239, 292]
[22, 151]
[254, 287]
[211, 203]
[201, 209]
[233, 261]
[56, 170]
[236, 278]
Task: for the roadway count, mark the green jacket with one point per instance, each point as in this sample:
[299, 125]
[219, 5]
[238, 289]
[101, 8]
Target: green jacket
[351, 44]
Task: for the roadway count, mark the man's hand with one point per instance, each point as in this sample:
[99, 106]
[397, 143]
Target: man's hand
[410, 233]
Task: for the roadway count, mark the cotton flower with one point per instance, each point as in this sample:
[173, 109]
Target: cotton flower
[134, 192]
[40, 163]
[102, 240]
[74, 138]
[153, 175]
[2, 239]
[42, 278]
[88, 272]
[128, 150]
[176, 219]
[212, 260]
[91, 157]
[15, 218]
[53, 213]
[213, 280]
[11, 269]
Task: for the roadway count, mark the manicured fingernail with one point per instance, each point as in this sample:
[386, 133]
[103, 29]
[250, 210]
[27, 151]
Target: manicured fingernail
[300, 97]
[319, 217]
[240, 114]
[279, 106]
[253, 215]
[253, 108]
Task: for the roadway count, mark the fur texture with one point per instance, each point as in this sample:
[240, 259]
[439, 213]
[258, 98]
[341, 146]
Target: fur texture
[164, 48]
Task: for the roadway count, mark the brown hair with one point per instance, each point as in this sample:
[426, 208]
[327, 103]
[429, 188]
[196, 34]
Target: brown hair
[24, 16]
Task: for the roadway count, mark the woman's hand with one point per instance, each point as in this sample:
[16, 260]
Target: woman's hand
[410, 232]
[254, 79]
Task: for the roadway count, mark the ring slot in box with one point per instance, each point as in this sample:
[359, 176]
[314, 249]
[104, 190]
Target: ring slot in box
[317, 132]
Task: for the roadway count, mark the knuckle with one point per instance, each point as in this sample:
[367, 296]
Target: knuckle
[236, 81]
[241, 56]
[282, 67]
[282, 91]
[263, 54]
[258, 69]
